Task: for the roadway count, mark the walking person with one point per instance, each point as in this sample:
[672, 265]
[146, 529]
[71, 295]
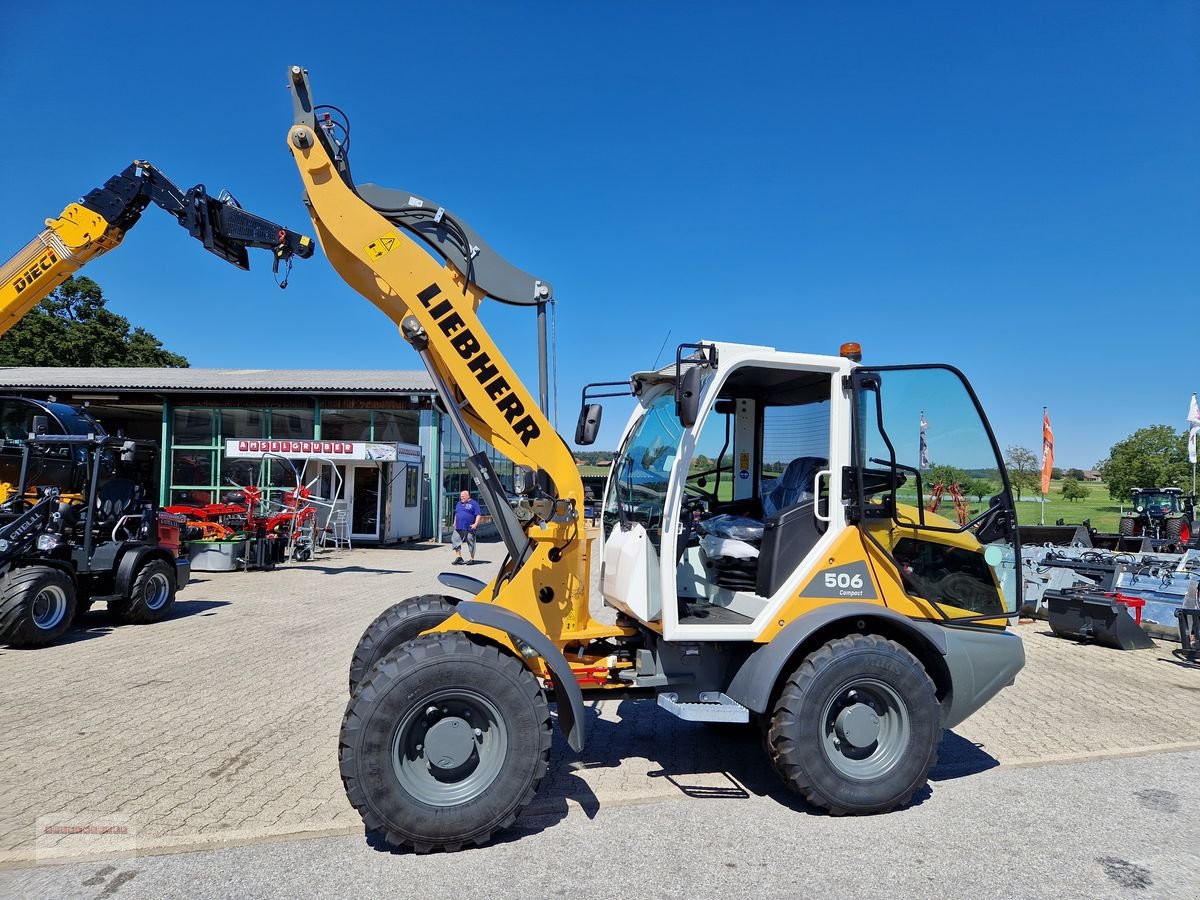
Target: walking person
[467, 516]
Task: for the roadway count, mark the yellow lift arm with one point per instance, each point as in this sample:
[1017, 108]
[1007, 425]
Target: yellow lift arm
[378, 240]
[98, 223]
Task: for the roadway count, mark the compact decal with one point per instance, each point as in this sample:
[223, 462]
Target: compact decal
[851, 581]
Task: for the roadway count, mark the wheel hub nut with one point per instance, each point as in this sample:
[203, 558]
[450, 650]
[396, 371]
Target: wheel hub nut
[858, 725]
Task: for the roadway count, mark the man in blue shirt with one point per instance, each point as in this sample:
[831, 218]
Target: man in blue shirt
[467, 516]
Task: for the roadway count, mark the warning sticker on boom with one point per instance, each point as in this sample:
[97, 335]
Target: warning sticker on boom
[383, 245]
[851, 581]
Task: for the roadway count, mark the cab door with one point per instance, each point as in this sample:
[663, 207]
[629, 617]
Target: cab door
[929, 489]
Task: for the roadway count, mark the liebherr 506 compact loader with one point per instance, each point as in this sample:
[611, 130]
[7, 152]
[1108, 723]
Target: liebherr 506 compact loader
[765, 546]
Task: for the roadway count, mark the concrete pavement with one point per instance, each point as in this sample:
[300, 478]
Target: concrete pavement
[1104, 829]
[220, 725]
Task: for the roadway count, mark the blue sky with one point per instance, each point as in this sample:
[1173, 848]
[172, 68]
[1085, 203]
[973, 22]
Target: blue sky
[1011, 188]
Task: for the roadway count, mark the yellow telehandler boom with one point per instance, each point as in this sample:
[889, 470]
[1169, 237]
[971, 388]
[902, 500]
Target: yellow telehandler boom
[99, 222]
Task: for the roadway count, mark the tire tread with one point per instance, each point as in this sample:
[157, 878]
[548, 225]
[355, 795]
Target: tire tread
[787, 756]
[424, 650]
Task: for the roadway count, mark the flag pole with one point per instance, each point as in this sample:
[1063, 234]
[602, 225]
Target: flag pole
[1193, 432]
[1042, 485]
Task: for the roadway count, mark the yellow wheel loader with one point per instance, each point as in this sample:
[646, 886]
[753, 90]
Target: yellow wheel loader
[767, 554]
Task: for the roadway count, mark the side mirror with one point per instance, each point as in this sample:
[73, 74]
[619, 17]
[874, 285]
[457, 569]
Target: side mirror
[687, 396]
[589, 424]
[41, 424]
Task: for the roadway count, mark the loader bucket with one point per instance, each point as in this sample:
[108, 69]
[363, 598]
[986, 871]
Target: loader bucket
[1121, 542]
[1096, 618]
[1056, 535]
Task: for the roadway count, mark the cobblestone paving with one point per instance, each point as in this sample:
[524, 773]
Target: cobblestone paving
[221, 724]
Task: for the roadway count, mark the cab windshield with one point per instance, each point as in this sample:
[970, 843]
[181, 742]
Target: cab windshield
[1156, 502]
[641, 473]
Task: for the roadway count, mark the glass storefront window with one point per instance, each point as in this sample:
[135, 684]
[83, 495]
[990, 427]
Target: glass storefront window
[243, 423]
[190, 497]
[238, 472]
[457, 478]
[200, 473]
[291, 424]
[194, 426]
[345, 425]
[394, 426]
[192, 467]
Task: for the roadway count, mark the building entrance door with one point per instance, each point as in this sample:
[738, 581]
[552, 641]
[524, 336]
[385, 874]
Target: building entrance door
[359, 494]
[366, 506]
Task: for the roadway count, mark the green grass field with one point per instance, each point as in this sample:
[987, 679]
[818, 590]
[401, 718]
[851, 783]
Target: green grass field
[1103, 511]
[1098, 507]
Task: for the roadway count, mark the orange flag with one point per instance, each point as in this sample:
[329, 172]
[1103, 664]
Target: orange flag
[1047, 451]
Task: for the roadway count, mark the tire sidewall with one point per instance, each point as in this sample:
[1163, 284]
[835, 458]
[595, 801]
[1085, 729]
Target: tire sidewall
[905, 675]
[137, 611]
[407, 620]
[25, 632]
[400, 682]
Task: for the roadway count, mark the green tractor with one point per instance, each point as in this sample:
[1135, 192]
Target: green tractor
[1166, 515]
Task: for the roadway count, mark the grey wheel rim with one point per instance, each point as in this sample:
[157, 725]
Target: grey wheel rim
[865, 729]
[157, 590]
[49, 607]
[449, 747]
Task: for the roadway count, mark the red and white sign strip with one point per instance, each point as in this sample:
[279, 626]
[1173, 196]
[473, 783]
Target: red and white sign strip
[370, 451]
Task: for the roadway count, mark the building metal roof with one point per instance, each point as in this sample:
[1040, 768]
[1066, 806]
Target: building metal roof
[340, 381]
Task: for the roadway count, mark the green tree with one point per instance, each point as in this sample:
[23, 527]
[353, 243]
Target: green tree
[1150, 457]
[74, 327]
[1077, 474]
[979, 488]
[1023, 468]
[947, 475]
[1073, 490]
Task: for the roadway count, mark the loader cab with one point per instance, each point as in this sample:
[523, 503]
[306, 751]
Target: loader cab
[59, 466]
[721, 516]
[715, 530]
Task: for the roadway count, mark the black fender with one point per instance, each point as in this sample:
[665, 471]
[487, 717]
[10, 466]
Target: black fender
[464, 583]
[755, 680]
[569, 697]
[132, 560]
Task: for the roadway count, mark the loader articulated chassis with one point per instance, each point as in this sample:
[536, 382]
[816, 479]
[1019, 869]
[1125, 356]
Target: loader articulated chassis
[798, 582]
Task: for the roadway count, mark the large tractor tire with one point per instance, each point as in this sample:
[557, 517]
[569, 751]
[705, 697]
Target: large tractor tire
[151, 596]
[856, 727]
[1130, 526]
[444, 743]
[1177, 532]
[396, 625]
[37, 604]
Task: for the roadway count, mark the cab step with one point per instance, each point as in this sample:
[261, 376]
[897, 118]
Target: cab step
[712, 707]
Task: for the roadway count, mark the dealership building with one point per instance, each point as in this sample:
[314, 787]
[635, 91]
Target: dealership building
[373, 438]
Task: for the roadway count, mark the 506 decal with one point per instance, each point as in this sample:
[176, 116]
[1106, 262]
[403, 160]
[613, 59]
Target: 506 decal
[843, 580]
[851, 581]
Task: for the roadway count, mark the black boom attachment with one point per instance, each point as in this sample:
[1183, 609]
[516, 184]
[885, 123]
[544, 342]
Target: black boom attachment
[219, 223]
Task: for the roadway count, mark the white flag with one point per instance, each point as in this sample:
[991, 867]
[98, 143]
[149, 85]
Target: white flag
[923, 461]
[1194, 428]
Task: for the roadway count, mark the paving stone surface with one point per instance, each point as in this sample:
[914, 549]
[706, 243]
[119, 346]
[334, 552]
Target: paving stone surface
[220, 725]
